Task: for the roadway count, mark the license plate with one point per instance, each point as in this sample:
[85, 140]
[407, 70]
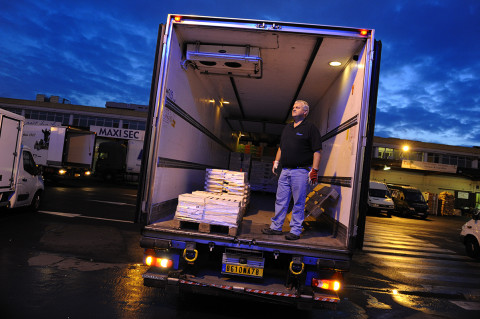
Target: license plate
[242, 270]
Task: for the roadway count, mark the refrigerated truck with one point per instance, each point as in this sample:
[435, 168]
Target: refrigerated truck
[118, 159]
[61, 151]
[21, 183]
[216, 79]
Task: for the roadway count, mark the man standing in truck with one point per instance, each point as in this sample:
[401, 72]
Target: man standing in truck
[299, 154]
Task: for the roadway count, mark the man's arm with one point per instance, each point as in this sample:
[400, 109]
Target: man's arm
[277, 161]
[312, 175]
[316, 159]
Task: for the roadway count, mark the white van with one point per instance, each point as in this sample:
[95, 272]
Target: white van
[379, 198]
[471, 235]
[21, 183]
[29, 184]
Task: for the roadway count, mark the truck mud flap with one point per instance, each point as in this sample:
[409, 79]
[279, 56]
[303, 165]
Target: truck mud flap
[301, 301]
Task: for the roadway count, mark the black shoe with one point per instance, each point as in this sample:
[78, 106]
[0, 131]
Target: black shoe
[270, 231]
[291, 236]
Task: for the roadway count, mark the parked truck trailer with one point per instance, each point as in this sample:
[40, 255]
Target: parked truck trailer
[61, 151]
[118, 160]
[216, 79]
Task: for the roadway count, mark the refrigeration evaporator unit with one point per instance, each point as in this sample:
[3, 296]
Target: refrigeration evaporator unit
[225, 59]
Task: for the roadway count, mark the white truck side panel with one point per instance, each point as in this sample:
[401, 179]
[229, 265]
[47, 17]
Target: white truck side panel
[134, 156]
[34, 137]
[197, 147]
[193, 93]
[180, 140]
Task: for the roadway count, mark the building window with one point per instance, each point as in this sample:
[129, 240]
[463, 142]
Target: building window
[62, 118]
[133, 125]
[413, 156]
[12, 109]
[86, 121]
[398, 154]
[433, 158]
[453, 160]
[468, 163]
[445, 159]
[385, 153]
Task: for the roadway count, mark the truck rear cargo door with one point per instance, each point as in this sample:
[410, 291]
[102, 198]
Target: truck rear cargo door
[369, 145]
[9, 131]
[140, 215]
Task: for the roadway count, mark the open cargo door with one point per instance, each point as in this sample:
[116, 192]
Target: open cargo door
[146, 154]
[9, 145]
[358, 243]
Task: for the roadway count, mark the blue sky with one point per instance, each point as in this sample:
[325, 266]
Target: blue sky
[91, 52]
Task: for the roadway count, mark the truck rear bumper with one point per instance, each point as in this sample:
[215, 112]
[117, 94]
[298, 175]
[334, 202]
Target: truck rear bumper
[315, 299]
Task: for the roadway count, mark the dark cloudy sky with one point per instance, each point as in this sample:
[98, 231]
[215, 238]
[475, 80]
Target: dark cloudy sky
[92, 51]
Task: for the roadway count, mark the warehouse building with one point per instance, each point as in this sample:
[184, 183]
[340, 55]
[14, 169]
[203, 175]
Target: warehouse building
[433, 168]
[58, 110]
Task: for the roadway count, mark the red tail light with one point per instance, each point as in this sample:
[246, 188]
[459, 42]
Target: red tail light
[328, 284]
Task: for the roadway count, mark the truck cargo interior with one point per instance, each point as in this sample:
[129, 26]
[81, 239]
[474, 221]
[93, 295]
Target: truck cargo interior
[225, 85]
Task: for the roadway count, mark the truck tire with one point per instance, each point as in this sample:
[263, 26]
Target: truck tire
[36, 201]
[472, 247]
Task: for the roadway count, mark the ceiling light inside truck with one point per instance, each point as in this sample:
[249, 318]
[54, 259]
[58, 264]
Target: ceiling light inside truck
[225, 59]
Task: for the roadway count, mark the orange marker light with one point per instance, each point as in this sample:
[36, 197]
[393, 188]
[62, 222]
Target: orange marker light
[328, 284]
[363, 32]
[149, 260]
[177, 18]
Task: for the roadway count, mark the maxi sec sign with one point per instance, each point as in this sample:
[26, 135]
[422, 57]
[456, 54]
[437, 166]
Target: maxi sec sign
[120, 133]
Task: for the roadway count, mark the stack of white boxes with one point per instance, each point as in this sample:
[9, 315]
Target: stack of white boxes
[227, 182]
[190, 208]
[222, 203]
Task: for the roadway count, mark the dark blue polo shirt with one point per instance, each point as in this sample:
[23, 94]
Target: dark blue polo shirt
[298, 144]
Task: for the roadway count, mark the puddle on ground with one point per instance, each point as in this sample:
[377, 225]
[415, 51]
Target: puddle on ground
[66, 263]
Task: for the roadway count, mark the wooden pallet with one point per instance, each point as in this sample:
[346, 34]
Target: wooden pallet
[317, 198]
[205, 227]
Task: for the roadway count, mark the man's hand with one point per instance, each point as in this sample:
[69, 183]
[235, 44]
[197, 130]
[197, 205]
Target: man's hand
[312, 176]
[275, 166]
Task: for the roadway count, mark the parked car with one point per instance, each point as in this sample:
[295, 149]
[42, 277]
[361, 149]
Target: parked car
[471, 235]
[409, 201]
[380, 199]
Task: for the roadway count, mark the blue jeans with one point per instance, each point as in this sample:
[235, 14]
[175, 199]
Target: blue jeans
[292, 182]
